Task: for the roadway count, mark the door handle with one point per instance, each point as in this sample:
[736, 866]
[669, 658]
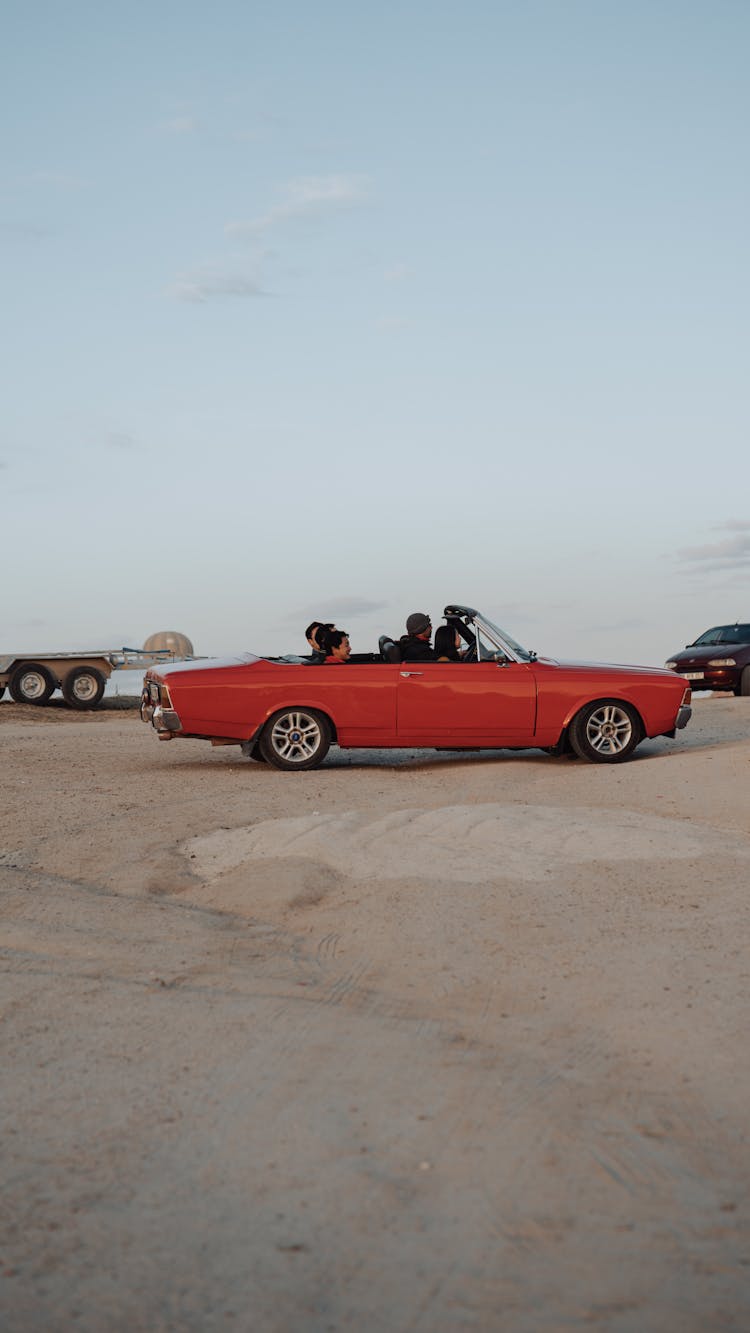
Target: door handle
[412, 673]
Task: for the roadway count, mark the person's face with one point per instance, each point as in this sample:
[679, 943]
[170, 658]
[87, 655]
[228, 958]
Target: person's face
[343, 650]
[426, 634]
[458, 639]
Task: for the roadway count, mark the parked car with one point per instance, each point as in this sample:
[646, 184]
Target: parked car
[287, 711]
[718, 660]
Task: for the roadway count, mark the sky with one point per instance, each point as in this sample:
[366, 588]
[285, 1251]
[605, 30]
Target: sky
[334, 311]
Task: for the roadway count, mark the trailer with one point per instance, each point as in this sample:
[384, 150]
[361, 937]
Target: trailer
[82, 677]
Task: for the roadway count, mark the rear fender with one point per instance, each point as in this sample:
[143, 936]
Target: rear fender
[295, 703]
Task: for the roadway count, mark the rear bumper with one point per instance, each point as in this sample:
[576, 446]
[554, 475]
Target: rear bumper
[684, 714]
[165, 721]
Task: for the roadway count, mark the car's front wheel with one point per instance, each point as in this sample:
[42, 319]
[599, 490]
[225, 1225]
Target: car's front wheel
[744, 686]
[605, 732]
[296, 738]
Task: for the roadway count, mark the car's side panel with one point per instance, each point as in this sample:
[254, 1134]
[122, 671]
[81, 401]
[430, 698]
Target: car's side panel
[236, 701]
[466, 701]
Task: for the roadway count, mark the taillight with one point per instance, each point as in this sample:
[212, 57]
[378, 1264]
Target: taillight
[687, 696]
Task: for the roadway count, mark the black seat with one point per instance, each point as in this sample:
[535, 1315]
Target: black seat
[389, 651]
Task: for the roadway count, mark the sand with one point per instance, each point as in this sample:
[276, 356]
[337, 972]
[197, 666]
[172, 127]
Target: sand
[415, 1041]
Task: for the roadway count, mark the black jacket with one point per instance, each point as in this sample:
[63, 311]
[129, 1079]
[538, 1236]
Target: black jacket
[415, 650]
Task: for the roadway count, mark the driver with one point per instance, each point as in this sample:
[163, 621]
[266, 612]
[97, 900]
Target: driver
[448, 643]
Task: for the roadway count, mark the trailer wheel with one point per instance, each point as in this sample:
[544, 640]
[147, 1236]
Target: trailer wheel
[83, 687]
[31, 683]
[2, 691]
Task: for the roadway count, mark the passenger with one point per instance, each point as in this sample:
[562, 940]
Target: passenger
[447, 644]
[415, 643]
[313, 635]
[337, 647]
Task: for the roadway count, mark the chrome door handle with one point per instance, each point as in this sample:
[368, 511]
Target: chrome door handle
[412, 673]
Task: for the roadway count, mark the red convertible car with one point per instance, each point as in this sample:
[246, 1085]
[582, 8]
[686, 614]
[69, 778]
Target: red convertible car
[287, 711]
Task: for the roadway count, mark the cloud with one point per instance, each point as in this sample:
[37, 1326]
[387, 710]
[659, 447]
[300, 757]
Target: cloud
[335, 608]
[733, 553]
[179, 125]
[208, 285]
[119, 439]
[391, 324]
[397, 273]
[614, 626]
[308, 196]
[62, 180]
[25, 231]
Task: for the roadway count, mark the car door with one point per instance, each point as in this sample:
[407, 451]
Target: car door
[487, 703]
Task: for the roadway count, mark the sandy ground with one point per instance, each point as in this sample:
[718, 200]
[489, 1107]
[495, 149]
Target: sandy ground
[414, 1042]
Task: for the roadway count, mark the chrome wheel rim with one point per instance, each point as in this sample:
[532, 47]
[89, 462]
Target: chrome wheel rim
[84, 687]
[33, 686]
[296, 737]
[609, 730]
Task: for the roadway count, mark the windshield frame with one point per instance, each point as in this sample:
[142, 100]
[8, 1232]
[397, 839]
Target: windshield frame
[504, 641]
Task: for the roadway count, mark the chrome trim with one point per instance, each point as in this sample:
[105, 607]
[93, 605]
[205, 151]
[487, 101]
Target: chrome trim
[684, 714]
[165, 719]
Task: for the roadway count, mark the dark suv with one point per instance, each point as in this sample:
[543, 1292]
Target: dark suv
[718, 660]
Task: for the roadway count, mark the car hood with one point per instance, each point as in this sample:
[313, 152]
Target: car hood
[604, 667]
[706, 653]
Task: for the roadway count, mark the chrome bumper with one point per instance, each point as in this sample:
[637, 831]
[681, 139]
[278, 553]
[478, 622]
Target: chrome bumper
[165, 721]
[684, 714]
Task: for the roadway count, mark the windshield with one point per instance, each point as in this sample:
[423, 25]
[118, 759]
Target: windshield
[725, 634]
[504, 637]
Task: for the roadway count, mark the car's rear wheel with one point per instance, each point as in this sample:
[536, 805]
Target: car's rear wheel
[605, 732]
[296, 738]
[31, 684]
[744, 686]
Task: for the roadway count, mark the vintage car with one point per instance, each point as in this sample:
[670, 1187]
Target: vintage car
[287, 711]
[719, 659]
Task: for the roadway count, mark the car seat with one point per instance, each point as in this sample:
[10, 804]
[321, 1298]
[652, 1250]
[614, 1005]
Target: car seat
[389, 651]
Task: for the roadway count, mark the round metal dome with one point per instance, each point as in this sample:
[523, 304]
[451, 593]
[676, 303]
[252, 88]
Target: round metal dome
[176, 643]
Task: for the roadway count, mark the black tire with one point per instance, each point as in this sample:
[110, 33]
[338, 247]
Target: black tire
[605, 731]
[83, 687]
[252, 750]
[2, 691]
[743, 688]
[295, 739]
[31, 683]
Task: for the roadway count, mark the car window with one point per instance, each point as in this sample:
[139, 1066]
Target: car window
[725, 634]
[488, 651]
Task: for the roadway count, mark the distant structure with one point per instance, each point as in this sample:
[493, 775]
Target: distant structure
[179, 644]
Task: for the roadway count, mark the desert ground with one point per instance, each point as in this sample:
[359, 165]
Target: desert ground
[415, 1041]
